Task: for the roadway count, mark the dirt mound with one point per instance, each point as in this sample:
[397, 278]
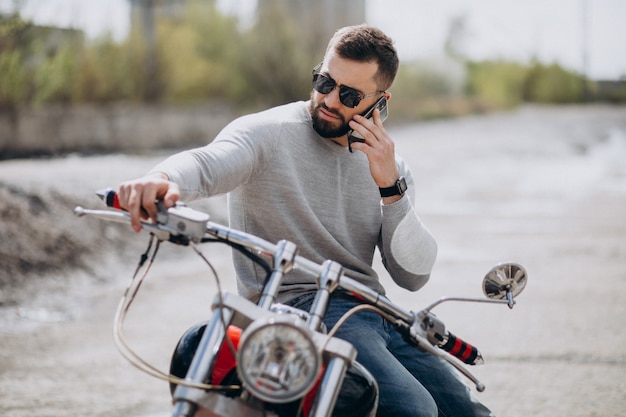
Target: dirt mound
[45, 248]
[42, 237]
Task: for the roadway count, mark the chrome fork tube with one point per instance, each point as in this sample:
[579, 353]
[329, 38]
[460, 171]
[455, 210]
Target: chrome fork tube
[329, 388]
[202, 363]
[328, 282]
[283, 263]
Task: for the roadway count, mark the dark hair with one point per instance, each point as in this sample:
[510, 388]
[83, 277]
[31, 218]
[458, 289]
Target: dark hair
[365, 43]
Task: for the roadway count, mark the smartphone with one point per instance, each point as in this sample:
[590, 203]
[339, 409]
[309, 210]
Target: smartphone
[381, 105]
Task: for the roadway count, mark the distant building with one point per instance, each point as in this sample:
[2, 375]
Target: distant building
[160, 8]
[52, 37]
[610, 90]
[318, 19]
[36, 42]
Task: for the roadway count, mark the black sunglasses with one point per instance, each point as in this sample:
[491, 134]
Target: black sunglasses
[348, 96]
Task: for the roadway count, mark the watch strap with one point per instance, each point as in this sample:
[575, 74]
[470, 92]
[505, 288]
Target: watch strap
[399, 188]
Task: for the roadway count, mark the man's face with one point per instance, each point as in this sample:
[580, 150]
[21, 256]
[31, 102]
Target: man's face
[330, 116]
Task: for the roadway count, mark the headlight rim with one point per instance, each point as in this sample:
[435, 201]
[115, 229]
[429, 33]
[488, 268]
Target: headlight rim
[274, 323]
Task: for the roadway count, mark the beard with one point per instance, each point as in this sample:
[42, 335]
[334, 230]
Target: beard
[323, 127]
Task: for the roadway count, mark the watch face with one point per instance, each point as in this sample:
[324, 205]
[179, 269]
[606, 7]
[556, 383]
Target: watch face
[402, 185]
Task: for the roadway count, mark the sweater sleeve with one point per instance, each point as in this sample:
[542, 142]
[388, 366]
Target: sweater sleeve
[407, 247]
[238, 153]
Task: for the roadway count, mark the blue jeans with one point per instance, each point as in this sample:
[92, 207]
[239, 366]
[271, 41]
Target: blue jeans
[411, 382]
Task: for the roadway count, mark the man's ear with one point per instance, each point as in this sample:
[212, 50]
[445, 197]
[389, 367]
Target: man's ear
[387, 95]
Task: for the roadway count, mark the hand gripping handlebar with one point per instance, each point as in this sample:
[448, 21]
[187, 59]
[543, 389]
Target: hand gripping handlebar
[182, 222]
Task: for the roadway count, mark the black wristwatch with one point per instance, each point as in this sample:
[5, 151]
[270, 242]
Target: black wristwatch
[398, 188]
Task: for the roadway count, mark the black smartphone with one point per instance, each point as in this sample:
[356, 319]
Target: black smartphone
[381, 105]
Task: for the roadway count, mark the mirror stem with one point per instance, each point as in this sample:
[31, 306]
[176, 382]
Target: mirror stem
[510, 300]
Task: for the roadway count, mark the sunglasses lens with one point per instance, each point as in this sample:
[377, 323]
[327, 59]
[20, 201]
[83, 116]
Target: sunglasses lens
[323, 84]
[349, 97]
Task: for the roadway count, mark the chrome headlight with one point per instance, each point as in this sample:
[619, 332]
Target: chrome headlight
[277, 360]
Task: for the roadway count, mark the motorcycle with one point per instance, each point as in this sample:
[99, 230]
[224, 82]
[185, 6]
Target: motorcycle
[268, 359]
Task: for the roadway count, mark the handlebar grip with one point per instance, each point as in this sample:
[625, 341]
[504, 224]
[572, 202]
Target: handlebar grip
[111, 199]
[462, 350]
[109, 196]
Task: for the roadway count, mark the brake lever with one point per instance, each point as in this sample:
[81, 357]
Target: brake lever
[122, 217]
[178, 224]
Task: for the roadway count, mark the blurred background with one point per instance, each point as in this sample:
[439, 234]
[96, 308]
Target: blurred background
[100, 72]
[511, 114]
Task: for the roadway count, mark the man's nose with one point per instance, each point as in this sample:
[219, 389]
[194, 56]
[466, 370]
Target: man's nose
[332, 99]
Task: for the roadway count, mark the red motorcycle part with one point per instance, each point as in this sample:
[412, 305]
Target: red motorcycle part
[225, 361]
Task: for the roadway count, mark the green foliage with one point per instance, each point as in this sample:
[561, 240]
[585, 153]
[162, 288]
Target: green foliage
[418, 81]
[199, 53]
[12, 88]
[106, 73]
[496, 83]
[274, 61]
[424, 91]
[505, 84]
[54, 77]
[145, 69]
[552, 84]
[203, 54]
[13, 75]
[12, 32]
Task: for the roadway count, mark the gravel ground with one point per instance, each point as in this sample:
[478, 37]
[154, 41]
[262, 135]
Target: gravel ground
[541, 186]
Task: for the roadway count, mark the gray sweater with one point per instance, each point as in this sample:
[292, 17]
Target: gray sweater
[286, 182]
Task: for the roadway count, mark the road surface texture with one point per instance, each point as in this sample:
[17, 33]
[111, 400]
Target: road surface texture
[541, 186]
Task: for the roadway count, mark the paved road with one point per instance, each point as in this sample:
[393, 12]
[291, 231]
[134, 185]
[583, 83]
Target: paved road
[545, 187]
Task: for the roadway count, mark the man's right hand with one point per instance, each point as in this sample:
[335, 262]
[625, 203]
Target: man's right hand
[143, 193]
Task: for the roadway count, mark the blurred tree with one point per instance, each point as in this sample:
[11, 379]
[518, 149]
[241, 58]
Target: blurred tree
[106, 72]
[200, 51]
[13, 76]
[275, 61]
[418, 80]
[316, 21]
[199, 54]
[54, 77]
[496, 83]
[429, 89]
[134, 53]
[553, 84]
[145, 34]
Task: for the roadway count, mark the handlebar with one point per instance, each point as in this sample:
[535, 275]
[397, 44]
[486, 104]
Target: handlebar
[165, 226]
[183, 225]
[462, 350]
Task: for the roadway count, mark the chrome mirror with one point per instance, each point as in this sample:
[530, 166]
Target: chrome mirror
[505, 281]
